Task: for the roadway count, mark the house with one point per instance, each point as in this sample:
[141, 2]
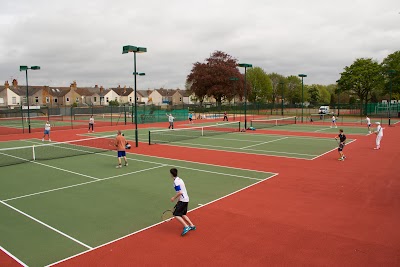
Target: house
[177, 97]
[144, 96]
[188, 97]
[126, 95]
[9, 98]
[163, 96]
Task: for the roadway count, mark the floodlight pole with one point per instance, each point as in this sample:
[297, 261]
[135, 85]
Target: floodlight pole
[338, 98]
[391, 73]
[25, 68]
[245, 66]
[302, 95]
[282, 97]
[134, 49]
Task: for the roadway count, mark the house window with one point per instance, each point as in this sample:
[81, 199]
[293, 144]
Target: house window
[77, 100]
[47, 99]
[130, 99]
[180, 99]
[24, 99]
[67, 99]
[94, 99]
[36, 99]
[107, 99]
[55, 100]
[137, 98]
[116, 98]
[14, 100]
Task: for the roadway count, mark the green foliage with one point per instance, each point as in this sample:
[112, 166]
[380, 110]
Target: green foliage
[260, 83]
[113, 103]
[313, 95]
[293, 85]
[392, 63]
[362, 78]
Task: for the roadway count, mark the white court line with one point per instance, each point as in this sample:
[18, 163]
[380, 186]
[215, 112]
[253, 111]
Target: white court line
[333, 149]
[46, 225]
[226, 174]
[46, 165]
[13, 257]
[324, 129]
[75, 185]
[151, 226]
[264, 143]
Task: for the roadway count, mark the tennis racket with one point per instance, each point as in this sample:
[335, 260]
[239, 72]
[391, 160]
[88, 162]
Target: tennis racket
[168, 214]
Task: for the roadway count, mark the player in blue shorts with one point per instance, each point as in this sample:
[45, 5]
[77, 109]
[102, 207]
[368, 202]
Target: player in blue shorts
[181, 206]
[120, 143]
[342, 142]
[333, 122]
[47, 127]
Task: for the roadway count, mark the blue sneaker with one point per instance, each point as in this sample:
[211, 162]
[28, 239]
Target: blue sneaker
[185, 230]
[192, 228]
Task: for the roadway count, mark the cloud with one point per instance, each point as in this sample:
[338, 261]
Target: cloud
[83, 41]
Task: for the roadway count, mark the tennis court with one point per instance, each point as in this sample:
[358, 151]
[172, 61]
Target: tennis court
[74, 199]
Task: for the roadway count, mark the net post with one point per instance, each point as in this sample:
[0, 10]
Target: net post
[239, 126]
[202, 131]
[149, 138]
[33, 153]
[295, 120]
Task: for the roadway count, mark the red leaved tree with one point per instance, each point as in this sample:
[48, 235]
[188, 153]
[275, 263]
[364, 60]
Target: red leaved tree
[213, 78]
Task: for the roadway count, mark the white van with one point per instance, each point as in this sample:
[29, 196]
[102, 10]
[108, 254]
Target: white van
[323, 110]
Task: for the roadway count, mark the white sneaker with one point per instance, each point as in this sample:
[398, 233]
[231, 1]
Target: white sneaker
[42, 139]
[118, 166]
[49, 140]
[126, 164]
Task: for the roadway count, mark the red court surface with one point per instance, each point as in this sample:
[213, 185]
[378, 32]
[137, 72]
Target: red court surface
[322, 212]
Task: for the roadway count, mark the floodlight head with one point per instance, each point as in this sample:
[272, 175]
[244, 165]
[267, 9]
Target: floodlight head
[21, 68]
[130, 48]
[302, 75]
[139, 73]
[35, 68]
[245, 65]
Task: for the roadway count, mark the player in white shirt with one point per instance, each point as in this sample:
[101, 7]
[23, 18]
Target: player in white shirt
[333, 121]
[91, 123]
[379, 135]
[171, 121]
[47, 127]
[368, 123]
[181, 206]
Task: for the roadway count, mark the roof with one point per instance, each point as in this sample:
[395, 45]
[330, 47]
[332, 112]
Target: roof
[122, 91]
[144, 93]
[86, 91]
[104, 92]
[166, 92]
[185, 93]
[58, 91]
[2, 88]
[21, 91]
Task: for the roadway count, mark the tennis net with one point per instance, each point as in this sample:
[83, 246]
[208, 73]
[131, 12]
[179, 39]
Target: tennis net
[259, 124]
[55, 150]
[181, 134]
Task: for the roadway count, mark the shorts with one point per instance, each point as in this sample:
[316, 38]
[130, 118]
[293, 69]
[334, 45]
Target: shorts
[181, 208]
[190, 119]
[46, 131]
[341, 146]
[369, 124]
[121, 154]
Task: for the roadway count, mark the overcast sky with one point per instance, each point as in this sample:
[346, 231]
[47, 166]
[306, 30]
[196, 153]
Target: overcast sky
[82, 40]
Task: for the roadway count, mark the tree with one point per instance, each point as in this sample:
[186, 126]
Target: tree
[212, 78]
[392, 62]
[260, 84]
[361, 78]
[313, 95]
[293, 85]
[276, 79]
[324, 95]
[113, 103]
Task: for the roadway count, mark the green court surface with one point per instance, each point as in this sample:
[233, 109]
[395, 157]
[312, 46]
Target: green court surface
[34, 123]
[54, 209]
[300, 147]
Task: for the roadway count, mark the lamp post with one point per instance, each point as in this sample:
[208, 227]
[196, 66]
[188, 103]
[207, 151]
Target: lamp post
[126, 49]
[245, 66]
[26, 68]
[234, 94]
[391, 73]
[302, 95]
[282, 83]
[338, 98]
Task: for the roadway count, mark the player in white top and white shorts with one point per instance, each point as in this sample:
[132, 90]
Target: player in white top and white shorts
[181, 206]
[171, 121]
[47, 127]
[91, 123]
[379, 135]
[368, 123]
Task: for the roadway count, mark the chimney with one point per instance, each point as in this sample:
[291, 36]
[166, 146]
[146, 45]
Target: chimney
[15, 83]
[6, 85]
[101, 89]
[96, 86]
